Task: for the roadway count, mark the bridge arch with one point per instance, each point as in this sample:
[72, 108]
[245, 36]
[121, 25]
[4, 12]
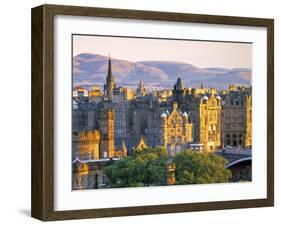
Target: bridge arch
[239, 161]
[241, 169]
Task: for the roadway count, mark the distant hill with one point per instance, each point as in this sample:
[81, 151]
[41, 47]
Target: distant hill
[91, 69]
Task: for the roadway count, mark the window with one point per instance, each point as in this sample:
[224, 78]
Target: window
[227, 139]
[234, 139]
[240, 139]
[179, 140]
[210, 136]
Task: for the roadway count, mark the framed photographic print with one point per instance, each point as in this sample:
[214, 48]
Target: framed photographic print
[141, 112]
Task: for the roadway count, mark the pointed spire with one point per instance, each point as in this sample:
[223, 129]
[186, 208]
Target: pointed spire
[109, 73]
[202, 85]
[140, 89]
[140, 84]
[109, 85]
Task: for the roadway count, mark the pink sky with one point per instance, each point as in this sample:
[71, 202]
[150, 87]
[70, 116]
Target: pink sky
[199, 53]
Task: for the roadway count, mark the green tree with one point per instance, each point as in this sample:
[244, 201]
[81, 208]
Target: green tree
[200, 168]
[146, 167]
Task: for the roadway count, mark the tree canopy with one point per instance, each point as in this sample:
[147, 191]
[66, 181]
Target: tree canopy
[200, 168]
[148, 167]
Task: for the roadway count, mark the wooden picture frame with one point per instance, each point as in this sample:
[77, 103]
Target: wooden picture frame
[42, 203]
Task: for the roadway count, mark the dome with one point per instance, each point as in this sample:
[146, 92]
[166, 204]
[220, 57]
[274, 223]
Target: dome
[163, 115]
[184, 114]
[205, 98]
[218, 97]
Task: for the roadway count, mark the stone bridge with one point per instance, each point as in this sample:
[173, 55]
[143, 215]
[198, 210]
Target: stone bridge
[241, 169]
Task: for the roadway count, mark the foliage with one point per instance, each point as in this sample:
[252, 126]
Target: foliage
[200, 168]
[148, 167]
[145, 168]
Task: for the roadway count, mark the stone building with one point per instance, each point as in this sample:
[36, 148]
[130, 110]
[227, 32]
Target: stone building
[80, 176]
[80, 92]
[117, 98]
[89, 174]
[248, 130]
[80, 113]
[204, 109]
[237, 117]
[85, 113]
[86, 144]
[175, 130]
[210, 122]
[214, 118]
[121, 106]
[95, 91]
[106, 126]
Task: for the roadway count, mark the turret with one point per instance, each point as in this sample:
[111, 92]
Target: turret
[204, 100]
[179, 91]
[218, 98]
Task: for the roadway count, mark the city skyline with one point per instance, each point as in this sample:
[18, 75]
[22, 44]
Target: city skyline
[177, 135]
[202, 54]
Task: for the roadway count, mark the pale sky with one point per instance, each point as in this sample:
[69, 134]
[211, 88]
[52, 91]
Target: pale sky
[202, 54]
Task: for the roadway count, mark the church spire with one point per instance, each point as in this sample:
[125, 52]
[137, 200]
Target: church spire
[109, 73]
[140, 89]
[202, 85]
[110, 85]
